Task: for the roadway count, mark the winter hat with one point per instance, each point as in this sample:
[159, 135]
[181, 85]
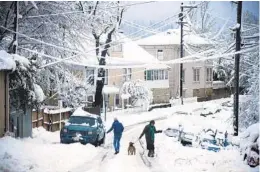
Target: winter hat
[152, 122]
[115, 119]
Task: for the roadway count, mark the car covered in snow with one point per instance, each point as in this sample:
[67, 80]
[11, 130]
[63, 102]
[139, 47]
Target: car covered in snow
[172, 132]
[83, 127]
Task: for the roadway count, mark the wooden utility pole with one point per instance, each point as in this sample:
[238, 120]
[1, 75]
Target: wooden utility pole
[181, 16]
[15, 37]
[237, 58]
[181, 53]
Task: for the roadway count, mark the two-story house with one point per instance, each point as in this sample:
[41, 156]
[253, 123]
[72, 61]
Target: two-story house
[125, 52]
[197, 76]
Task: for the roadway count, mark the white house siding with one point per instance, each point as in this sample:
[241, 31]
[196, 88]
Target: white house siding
[173, 52]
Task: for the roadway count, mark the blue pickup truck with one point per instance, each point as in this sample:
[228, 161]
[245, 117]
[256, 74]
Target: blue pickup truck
[83, 127]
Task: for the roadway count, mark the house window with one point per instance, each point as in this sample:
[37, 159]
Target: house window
[196, 75]
[160, 54]
[149, 75]
[183, 75]
[209, 74]
[160, 73]
[127, 74]
[90, 73]
[117, 47]
[91, 98]
[106, 77]
[117, 99]
[166, 74]
[156, 75]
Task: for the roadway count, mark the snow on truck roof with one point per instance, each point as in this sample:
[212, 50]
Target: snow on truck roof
[80, 112]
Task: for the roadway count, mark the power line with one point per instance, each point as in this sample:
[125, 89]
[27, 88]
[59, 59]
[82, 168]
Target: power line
[82, 11]
[66, 48]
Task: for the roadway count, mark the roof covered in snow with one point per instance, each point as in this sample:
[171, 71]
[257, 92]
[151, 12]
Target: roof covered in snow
[172, 37]
[133, 54]
[6, 61]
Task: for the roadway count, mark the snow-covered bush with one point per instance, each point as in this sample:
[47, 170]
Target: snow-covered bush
[249, 144]
[23, 88]
[139, 93]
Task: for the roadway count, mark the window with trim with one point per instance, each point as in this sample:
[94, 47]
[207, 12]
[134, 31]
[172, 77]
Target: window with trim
[117, 99]
[196, 74]
[90, 98]
[127, 74]
[160, 54]
[117, 47]
[209, 74]
[90, 74]
[106, 77]
[151, 75]
[183, 75]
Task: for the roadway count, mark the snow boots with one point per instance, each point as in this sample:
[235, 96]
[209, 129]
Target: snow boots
[151, 153]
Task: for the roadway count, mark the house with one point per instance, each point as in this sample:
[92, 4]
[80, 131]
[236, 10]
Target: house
[197, 76]
[7, 64]
[125, 52]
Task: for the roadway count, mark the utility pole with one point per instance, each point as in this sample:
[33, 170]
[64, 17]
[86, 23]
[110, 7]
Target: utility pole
[181, 16]
[181, 54]
[16, 18]
[236, 77]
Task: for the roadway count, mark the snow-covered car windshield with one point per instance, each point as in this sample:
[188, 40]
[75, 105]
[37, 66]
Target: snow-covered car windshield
[79, 120]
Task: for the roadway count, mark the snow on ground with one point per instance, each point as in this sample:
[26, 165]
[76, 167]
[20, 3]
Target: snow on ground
[44, 153]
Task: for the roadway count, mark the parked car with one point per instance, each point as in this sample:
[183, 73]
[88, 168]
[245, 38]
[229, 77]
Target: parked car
[83, 127]
[189, 135]
[210, 144]
[172, 132]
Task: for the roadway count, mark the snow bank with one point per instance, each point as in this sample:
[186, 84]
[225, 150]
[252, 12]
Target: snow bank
[6, 61]
[187, 159]
[250, 137]
[41, 154]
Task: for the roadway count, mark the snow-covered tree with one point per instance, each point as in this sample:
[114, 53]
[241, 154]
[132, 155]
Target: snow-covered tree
[52, 28]
[104, 23]
[249, 71]
[139, 93]
[24, 90]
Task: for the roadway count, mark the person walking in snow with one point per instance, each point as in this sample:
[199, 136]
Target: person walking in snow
[149, 131]
[118, 130]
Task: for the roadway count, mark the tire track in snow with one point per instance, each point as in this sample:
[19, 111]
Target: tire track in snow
[103, 154]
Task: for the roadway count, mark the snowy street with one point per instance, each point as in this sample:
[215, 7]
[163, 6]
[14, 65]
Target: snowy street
[85, 84]
[45, 153]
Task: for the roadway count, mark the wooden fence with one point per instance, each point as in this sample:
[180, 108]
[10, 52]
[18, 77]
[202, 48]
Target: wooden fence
[50, 118]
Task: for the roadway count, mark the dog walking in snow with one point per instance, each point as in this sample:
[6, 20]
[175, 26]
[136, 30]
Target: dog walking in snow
[131, 149]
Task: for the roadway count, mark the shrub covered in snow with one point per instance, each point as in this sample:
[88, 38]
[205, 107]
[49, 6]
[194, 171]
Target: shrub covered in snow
[139, 93]
[23, 88]
[249, 145]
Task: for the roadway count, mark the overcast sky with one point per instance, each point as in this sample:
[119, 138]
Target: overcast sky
[159, 10]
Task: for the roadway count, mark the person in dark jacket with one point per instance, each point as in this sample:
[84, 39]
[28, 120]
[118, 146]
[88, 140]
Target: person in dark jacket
[149, 131]
[118, 130]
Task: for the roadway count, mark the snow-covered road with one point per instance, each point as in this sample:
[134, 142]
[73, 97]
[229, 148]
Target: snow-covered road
[43, 153]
